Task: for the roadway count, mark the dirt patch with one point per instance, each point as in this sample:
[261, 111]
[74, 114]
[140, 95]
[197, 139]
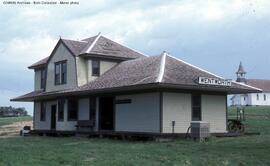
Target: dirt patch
[13, 129]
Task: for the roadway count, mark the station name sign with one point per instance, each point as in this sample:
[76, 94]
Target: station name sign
[214, 81]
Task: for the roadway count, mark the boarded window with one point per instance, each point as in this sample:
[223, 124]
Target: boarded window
[42, 111]
[72, 109]
[43, 79]
[95, 68]
[196, 107]
[60, 76]
[61, 107]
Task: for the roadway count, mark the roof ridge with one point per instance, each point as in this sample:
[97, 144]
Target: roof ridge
[243, 84]
[162, 67]
[75, 40]
[93, 43]
[128, 47]
[196, 67]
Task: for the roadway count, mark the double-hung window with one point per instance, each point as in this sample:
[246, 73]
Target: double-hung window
[95, 68]
[42, 111]
[196, 107]
[60, 73]
[72, 109]
[61, 107]
[43, 78]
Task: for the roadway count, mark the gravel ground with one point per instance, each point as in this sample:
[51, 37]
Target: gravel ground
[13, 129]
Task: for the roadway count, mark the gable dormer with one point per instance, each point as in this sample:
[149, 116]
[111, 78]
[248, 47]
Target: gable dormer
[75, 63]
[61, 69]
[100, 55]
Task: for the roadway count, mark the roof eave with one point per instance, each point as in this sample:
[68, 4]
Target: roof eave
[154, 86]
[37, 66]
[96, 55]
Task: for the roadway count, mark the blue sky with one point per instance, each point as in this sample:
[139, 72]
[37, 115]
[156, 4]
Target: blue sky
[214, 35]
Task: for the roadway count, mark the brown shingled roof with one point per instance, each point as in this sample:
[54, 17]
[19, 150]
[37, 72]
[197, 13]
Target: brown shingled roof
[41, 63]
[107, 47]
[262, 84]
[103, 47]
[75, 46]
[156, 72]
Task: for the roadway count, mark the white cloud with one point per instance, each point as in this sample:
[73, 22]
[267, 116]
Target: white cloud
[25, 51]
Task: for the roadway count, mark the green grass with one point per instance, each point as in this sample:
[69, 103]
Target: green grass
[10, 120]
[245, 150]
[257, 119]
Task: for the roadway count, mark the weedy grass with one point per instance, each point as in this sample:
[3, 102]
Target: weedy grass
[244, 150]
[10, 120]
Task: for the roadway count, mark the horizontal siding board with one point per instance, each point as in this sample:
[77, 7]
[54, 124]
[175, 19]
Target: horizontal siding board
[214, 112]
[42, 125]
[176, 107]
[141, 115]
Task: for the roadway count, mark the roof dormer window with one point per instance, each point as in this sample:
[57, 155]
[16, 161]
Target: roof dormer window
[95, 67]
[60, 73]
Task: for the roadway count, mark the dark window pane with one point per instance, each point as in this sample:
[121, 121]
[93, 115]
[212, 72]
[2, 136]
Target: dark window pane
[95, 68]
[60, 73]
[57, 74]
[61, 104]
[72, 109]
[64, 73]
[43, 79]
[92, 102]
[42, 111]
[196, 107]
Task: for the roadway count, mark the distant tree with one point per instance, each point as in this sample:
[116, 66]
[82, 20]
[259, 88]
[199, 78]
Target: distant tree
[11, 111]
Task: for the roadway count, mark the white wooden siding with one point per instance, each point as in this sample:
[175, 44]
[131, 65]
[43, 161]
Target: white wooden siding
[42, 125]
[251, 99]
[176, 107]
[214, 112]
[104, 66]
[82, 72]
[142, 115]
[65, 125]
[261, 100]
[61, 54]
